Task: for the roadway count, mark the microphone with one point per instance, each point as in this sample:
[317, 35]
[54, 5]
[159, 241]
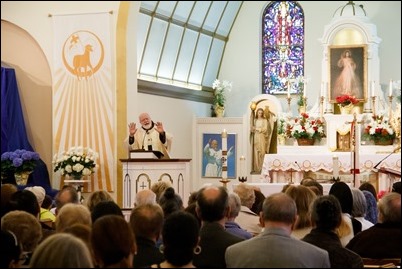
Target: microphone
[143, 139]
[396, 149]
[298, 166]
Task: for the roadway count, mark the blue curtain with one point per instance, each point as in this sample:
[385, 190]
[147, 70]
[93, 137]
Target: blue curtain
[13, 132]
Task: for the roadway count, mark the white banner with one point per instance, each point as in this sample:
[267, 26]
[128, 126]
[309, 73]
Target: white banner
[83, 93]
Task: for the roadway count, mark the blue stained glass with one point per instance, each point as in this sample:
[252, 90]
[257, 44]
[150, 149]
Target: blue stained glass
[282, 46]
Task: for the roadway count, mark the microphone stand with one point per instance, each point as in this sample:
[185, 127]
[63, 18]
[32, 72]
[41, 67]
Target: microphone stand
[375, 166]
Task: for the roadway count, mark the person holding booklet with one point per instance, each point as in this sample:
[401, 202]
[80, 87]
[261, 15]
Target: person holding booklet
[150, 137]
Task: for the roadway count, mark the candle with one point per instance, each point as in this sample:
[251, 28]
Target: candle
[390, 87]
[224, 140]
[304, 88]
[335, 167]
[242, 166]
[373, 88]
[288, 89]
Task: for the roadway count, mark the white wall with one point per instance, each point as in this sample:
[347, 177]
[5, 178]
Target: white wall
[241, 63]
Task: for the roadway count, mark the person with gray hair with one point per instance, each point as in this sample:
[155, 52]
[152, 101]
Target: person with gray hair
[359, 208]
[247, 219]
[144, 197]
[383, 240]
[274, 247]
[230, 225]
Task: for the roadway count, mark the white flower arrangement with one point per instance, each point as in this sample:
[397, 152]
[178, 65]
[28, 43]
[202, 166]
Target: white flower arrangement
[76, 162]
[219, 93]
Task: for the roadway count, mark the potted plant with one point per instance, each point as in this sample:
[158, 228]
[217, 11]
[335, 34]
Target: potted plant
[283, 131]
[20, 162]
[346, 103]
[219, 96]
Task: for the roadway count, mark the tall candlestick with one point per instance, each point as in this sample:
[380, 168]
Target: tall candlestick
[335, 167]
[224, 136]
[390, 87]
[373, 88]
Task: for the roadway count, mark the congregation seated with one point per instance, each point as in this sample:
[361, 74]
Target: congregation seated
[327, 216]
[359, 208]
[62, 250]
[383, 240]
[212, 207]
[146, 222]
[349, 226]
[113, 242]
[96, 197]
[230, 224]
[303, 197]
[180, 234]
[247, 219]
[274, 247]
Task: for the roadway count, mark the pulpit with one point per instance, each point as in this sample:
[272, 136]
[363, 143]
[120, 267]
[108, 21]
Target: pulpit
[139, 174]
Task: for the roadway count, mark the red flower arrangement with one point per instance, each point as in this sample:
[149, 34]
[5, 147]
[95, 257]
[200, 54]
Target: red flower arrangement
[345, 100]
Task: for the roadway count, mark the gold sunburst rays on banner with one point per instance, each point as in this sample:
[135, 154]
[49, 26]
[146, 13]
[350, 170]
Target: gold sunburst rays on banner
[83, 99]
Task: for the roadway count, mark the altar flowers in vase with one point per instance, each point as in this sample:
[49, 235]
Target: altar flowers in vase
[308, 128]
[379, 130]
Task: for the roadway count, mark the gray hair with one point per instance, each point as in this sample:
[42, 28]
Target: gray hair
[144, 197]
[359, 203]
[389, 208]
[246, 194]
[234, 204]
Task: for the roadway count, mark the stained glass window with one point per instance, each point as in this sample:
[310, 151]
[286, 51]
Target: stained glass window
[282, 47]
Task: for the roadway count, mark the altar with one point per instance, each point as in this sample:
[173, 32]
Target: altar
[280, 168]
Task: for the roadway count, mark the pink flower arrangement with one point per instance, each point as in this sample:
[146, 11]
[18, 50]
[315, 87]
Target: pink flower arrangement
[345, 100]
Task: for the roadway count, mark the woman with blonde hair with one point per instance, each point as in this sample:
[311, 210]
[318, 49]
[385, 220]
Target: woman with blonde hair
[304, 198]
[61, 250]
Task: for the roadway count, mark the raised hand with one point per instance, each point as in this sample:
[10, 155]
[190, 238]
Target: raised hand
[159, 127]
[132, 128]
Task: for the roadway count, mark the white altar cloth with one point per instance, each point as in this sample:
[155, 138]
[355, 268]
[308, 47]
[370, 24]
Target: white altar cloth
[296, 164]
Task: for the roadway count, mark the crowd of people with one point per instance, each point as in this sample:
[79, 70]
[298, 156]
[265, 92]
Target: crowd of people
[298, 227]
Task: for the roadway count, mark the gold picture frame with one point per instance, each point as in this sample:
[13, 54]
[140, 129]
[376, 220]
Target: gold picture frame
[347, 71]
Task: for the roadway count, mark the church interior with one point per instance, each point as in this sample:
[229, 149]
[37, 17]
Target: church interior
[267, 93]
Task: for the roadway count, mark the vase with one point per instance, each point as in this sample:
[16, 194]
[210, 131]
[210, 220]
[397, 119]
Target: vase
[77, 177]
[281, 139]
[345, 110]
[21, 178]
[301, 109]
[219, 111]
[305, 141]
[384, 142]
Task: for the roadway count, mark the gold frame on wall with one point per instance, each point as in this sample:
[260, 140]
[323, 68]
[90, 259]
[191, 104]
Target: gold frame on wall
[355, 73]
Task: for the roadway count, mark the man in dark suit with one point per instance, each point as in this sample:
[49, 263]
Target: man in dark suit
[212, 207]
[274, 247]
